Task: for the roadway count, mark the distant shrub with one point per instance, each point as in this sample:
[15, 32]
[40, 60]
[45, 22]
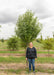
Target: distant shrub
[12, 43]
[52, 41]
[47, 44]
[2, 40]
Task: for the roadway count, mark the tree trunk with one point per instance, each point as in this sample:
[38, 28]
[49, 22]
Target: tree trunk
[25, 54]
[48, 53]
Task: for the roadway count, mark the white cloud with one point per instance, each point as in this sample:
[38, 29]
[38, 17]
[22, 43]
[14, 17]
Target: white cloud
[10, 10]
[7, 30]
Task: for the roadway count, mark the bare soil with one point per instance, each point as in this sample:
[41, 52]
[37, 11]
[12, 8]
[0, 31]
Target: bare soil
[38, 73]
[18, 55]
[16, 66]
[23, 66]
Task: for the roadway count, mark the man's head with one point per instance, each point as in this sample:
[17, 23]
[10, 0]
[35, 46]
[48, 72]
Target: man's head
[31, 44]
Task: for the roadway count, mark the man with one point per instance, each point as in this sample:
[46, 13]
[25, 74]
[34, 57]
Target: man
[31, 54]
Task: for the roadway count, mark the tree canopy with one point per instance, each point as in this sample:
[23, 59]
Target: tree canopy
[27, 27]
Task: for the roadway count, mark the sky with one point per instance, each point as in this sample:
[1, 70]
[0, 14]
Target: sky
[11, 9]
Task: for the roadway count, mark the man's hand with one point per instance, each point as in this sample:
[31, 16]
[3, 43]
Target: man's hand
[26, 58]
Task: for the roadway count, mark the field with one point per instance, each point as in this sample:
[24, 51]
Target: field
[14, 63]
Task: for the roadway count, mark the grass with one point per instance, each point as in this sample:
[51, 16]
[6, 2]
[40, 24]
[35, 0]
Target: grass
[38, 45]
[18, 71]
[11, 59]
[3, 45]
[26, 70]
[45, 60]
[20, 52]
[21, 59]
[40, 69]
[12, 51]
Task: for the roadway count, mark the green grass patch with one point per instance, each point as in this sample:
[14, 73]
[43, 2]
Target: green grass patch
[18, 71]
[11, 59]
[44, 52]
[42, 69]
[12, 51]
[45, 60]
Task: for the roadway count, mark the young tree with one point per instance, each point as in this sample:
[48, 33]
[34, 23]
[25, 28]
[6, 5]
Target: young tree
[47, 45]
[12, 43]
[2, 40]
[27, 27]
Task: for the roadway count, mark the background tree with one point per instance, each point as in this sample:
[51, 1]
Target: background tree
[27, 27]
[12, 43]
[53, 34]
[2, 40]
[47, 45]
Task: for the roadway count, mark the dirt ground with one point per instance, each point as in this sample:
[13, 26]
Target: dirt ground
[23, 66]
[18, 55]
[38, 73]
[4, 66]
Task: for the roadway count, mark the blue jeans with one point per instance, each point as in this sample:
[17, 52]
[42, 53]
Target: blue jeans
[31, 61]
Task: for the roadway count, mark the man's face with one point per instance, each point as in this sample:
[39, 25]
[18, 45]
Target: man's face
[30, 44]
